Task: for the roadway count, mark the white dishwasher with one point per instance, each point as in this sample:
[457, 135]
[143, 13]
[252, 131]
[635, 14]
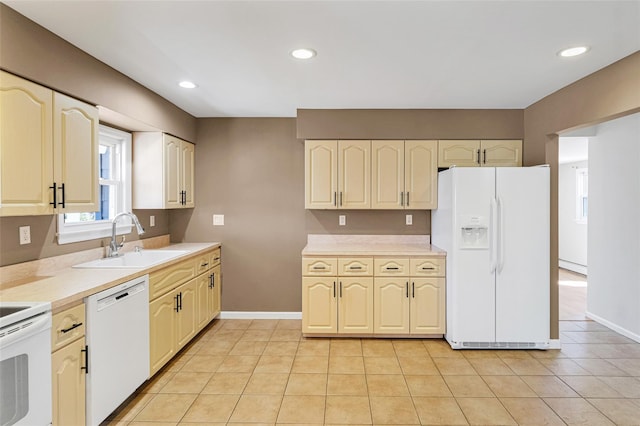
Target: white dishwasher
[118, 341]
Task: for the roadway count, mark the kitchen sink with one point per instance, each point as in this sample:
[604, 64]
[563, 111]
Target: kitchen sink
[138, 259]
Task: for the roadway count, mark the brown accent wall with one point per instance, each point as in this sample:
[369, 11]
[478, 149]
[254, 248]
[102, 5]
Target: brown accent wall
[607, 94]
[35, 53]
[410, 124]
[43, 236]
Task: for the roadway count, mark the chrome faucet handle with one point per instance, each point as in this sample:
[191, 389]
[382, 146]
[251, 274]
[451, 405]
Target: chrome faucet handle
[121, 242]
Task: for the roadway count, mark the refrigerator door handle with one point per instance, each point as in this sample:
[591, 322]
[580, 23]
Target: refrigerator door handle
[493, 241]
[501, 248]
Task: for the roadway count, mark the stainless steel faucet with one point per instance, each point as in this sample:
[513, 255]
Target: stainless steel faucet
[114, 246]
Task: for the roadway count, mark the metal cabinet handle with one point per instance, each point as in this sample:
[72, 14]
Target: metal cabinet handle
[55, 195]
[319, 268]
[413, 290]
[340, 198]
[406, 286]
[176, 297]
[334, 289]
[428, 268]
[402, 198]
[391, 268]
[213, 280]
[63, 196]
[335, 198]
[204, 265]
[355, 267]
[340, 288]
[75, 325]
[86, 359]
[484, 156]
[407, 198]
[478, 160]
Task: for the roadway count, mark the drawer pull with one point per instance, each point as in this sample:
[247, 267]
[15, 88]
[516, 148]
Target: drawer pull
[428, 268]
[355, 267]
[392, 268]
[204, 265]
[75, 325]
[319, 268]
[216, 258]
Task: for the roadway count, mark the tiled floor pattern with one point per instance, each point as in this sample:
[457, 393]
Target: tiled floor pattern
[263, 372]
[573, 296]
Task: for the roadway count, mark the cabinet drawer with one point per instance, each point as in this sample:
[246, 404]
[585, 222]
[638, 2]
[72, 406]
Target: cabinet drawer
[391, 267]
[203, 263]
[166, 279]
[428, 267]
[359, 266]
[215, 257]
[317, 266]
[67, 326]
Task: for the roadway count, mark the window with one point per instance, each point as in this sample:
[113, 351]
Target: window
[582, 194]
[115, 192]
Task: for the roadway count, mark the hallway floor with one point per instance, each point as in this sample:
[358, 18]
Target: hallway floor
[572, 296]
[264, 372]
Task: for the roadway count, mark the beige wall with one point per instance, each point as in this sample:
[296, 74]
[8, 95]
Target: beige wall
[33, 52]
[43, 236]
[607, 94]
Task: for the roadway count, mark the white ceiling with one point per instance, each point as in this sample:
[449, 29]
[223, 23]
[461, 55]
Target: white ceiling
[371, 54]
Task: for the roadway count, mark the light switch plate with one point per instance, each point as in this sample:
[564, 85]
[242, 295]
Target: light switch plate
[152, 221]
[409, 219]
[218, 220]
[342, 220]
[25, 235]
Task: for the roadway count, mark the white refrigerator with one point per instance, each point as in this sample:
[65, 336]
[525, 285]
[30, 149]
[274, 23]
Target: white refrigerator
[493, 223]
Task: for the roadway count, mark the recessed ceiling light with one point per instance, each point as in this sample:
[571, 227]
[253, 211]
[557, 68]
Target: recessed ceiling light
[187, 85]
[573, 51]
[304, 53]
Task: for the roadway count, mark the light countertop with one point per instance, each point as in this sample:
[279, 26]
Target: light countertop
[373, 245]
[71, 285]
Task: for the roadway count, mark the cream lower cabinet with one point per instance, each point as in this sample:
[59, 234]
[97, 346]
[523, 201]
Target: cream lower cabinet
[342, 303]
[68, 367]
[404, 297]
[48, 151]
[184, 298]
[480, 153]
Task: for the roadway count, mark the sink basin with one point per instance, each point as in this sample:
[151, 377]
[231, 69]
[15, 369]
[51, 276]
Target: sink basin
[141, 259]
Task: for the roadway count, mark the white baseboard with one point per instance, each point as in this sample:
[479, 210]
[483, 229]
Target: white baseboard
[555, 344]
[259, 315]
[620, 330]
[580, 269]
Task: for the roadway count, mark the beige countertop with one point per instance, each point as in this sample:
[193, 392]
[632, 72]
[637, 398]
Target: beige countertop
[373, 245]
[71, 285]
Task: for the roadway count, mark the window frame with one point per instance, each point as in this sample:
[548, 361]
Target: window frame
[75, 232]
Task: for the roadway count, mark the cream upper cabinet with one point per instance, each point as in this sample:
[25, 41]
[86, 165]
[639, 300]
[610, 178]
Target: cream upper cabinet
[163, 171]
[337, 174]
[460, 153]
[404, 174]
[421, 174]
[48, 151]
[477, 153]
[76, 144]
[321, 174]
[501, 153]
[354, 174]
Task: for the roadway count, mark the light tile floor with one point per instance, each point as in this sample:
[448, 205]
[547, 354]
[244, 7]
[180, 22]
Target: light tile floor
[264, 372]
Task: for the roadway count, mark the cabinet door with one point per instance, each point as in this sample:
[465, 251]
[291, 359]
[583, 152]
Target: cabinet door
[387, 174]
[215, 291]
[75, 144]
[502, 153]
[391, 305]
[421, 174]
[172, 172]
[162, 331]
[68, 382]
[427, 306]
[319, 305]
[355, 305]
[354, 174]
[26, 147]
[461, 153]
[186, 324]
[188, 173]
[321, 174]
[203, 300]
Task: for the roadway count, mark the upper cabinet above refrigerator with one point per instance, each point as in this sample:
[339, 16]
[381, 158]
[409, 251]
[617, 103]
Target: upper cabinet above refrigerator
[479, 153]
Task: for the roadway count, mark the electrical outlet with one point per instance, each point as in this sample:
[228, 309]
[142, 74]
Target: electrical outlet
[218, 220]
[152, 221]
[25, 235]
[409, 219]
[342, 220]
